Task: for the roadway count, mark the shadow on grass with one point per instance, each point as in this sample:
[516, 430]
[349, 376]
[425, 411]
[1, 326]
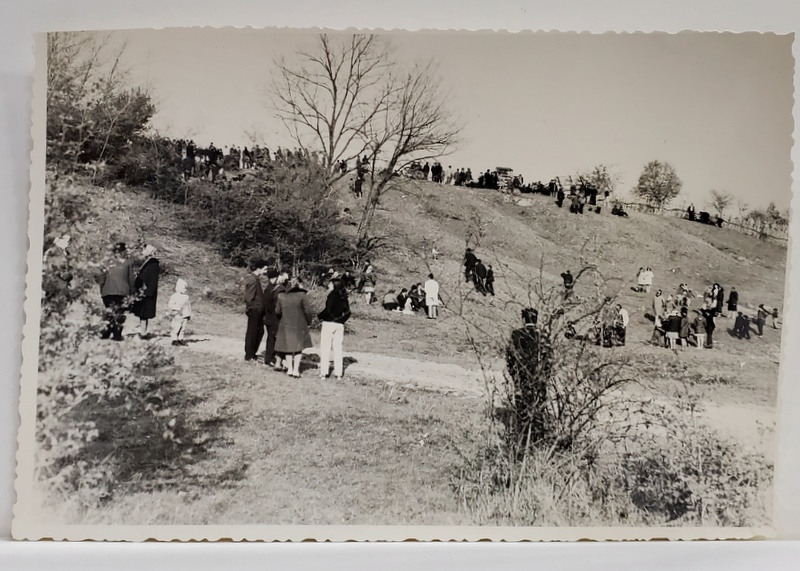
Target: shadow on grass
[312, 362]
[156, 443]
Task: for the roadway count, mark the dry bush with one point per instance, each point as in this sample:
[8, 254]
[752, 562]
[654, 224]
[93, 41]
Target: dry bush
[566, 443]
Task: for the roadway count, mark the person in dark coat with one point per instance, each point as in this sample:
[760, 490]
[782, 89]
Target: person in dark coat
[294, 335]
[761, 319]
[708, 314]
[146, 285]
[470, 259]
[480, 277]
[720, 299]
[333, 318]
[741, 327]
[489, 281]
[569, 281]
[254, 308]
[733, 301]
[528, 372]
[117, 285]
[270, 297]
[560, 197]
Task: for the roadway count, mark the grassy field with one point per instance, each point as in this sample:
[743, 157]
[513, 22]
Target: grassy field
[276, 450]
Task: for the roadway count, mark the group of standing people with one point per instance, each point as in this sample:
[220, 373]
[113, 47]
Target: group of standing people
[282, 310]
[481, 276]
[130, 285]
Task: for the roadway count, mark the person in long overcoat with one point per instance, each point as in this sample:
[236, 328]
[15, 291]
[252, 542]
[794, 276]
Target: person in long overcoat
[294, 310]
[720, 299]
[146, 286]
[733, 302]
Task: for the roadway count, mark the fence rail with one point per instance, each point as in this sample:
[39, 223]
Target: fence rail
[778, 233]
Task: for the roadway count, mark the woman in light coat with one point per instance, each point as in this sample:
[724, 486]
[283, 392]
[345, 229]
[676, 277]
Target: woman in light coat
[294, 335]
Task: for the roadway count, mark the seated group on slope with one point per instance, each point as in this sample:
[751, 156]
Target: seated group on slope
[423, 298]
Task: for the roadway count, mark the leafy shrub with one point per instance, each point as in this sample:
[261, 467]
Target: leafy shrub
[92, 394]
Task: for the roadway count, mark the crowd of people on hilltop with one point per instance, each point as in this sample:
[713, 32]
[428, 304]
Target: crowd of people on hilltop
[216, 163]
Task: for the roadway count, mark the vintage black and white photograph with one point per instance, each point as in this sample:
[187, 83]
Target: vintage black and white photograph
[505, 282]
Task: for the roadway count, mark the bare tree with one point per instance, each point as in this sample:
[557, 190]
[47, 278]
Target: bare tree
[350, 97]
[720, 201]
[326, 97]
[414, 124]
[601, 177]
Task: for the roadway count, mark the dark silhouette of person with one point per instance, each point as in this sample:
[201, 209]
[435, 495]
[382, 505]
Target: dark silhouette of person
[470, 259]
[489, 281]
[560, 197]
[480, 277]
[741, 327]
[528, 368]
[569, 281]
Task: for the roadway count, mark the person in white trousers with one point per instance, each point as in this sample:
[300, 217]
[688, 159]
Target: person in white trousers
[432, 299]
[333, 318]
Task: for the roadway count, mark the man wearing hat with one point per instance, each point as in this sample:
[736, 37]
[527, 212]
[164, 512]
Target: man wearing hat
[270, 317]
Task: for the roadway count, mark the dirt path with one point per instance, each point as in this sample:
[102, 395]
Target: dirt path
[750, 425]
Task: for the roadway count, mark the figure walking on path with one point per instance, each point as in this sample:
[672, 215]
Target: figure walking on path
[294, 335]
[333, 318]
[470, 260]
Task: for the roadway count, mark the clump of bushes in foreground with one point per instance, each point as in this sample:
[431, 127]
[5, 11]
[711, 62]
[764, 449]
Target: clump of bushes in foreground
[567, 445]
[104, 409]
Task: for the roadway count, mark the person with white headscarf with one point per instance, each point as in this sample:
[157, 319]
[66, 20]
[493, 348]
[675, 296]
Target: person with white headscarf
[146, 285]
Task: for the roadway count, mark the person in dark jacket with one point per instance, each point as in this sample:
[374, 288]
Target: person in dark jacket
[270, 297]
[569, 281]
[294, 335]
[761, 319]
[117, 285]
[470, 259]
[489, 281]
[480, 277]
[146, 285]
[528, 372]
[560, 197]
[333, 318]
[708, 314]
[254, 308]
[741, 327]
[733, 302]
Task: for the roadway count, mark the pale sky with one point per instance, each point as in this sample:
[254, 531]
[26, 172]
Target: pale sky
[718, 107]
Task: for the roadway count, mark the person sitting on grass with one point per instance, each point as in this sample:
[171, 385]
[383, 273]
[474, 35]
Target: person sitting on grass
[390, 301]
[401, 299]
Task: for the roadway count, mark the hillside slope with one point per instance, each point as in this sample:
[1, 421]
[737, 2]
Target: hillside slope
[515, 240]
